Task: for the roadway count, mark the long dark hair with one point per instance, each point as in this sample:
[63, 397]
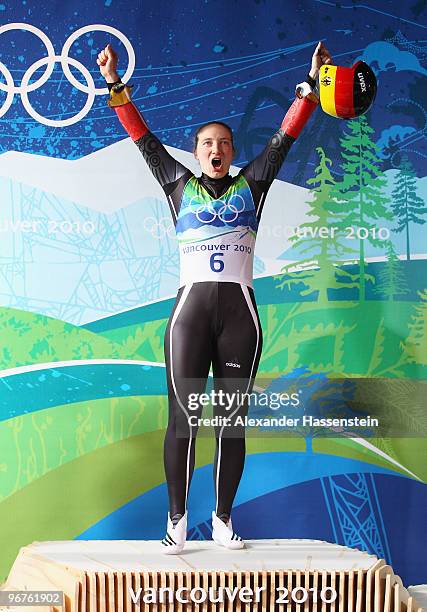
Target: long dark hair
[205, 125]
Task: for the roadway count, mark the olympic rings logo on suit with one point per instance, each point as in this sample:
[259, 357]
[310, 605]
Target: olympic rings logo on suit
[50, 60]
[158, 228]
[229, 207]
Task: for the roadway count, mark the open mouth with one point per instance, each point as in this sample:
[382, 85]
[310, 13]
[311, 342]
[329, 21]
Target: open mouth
[216, 162]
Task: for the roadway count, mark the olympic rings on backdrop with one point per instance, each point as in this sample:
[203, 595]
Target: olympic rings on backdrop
[159, 228]
[10, 94]
[98, 28]
[49, 48]
[58, 122]
[50, 59]
[227, 213]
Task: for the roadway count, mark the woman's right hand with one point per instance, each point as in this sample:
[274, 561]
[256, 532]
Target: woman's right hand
[107, 61]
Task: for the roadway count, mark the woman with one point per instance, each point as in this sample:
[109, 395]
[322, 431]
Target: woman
[214, 320]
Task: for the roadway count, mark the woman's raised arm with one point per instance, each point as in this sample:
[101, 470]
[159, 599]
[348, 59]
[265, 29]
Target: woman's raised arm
[165, 168]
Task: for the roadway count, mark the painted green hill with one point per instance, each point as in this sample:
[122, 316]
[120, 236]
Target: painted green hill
[30, 338]
[79, 479]
[346, 338]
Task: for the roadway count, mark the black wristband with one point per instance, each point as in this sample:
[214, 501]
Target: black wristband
[111, 85]
[311, 81]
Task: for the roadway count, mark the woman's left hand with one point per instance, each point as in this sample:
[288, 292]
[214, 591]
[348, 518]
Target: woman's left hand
[320, 56]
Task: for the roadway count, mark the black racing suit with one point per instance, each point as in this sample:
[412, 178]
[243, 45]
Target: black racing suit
[214, 321]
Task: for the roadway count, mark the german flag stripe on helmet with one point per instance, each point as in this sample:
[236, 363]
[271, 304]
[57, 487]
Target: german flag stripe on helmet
[364, 87]
[344, 94]
[327, 89]
[347, 92]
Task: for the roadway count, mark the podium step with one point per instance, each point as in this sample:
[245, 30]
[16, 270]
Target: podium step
[270, 575]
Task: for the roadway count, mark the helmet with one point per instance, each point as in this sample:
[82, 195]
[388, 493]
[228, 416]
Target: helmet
[347, 92]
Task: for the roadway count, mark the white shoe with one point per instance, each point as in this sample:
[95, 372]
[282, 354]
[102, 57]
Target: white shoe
[224, 535]
[174, 540]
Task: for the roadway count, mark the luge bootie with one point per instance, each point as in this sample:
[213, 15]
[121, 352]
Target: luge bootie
[223, 534]
[176, 535]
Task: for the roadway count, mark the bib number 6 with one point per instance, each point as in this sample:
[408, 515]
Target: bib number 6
[217, 265]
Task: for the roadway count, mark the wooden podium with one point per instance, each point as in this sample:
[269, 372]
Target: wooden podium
[282, 575]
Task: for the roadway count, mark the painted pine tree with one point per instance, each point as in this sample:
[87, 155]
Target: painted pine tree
[319, 240]
[360, 195]
[391, 279]
[415, 345]
[407, 205]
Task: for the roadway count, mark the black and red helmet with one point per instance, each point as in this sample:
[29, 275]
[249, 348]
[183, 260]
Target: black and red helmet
[347, 92]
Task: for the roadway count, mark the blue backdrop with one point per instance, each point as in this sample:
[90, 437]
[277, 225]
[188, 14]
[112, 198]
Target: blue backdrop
[88, 267]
